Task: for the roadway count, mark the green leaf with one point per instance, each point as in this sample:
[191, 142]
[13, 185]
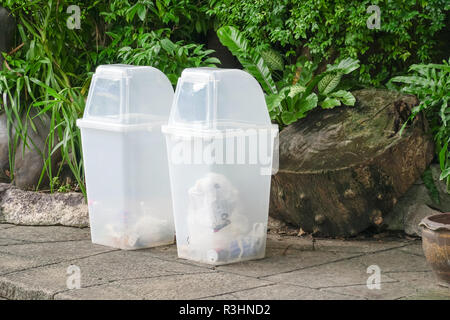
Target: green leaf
[443, 156]
[168, 45]
[330, 103]
[274, 100]
[443, 111]
[212, 60]
[346, 97]
[416, 80]
[288, 117]
[444, 174]
[249, 58]
[308, 103]
[345, 66]
[328, 83]
[295, 90]
[273, 59]
[142, 12]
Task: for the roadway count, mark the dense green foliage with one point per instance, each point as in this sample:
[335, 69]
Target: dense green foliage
[48, 74]
[431, 84]
[411, 31]
[304, 53]
[297, 89]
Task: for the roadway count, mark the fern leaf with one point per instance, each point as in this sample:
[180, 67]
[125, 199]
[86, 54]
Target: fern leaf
[273, 59]
[249, 58]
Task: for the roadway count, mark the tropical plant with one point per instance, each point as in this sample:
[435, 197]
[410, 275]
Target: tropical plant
[431, 84]
[42, 77]
[293, 90]
[156, 49]
[410, 31]
[48, 74]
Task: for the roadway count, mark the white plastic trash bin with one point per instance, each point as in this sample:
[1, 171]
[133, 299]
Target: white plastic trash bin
[220, 143]
[125, 157]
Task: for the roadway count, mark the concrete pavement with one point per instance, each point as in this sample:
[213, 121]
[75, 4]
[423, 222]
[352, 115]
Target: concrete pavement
[35, 264]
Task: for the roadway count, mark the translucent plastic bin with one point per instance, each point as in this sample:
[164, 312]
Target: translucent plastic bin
[220, 143]
[125, 157]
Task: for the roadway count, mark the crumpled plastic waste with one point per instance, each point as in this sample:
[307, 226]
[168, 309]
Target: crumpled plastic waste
[218, 230]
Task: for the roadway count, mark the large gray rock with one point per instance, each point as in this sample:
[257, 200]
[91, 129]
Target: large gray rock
[29, 161]
[343, 170]
[7, 27]
[37, 208]
[4, 153]
[416, 204]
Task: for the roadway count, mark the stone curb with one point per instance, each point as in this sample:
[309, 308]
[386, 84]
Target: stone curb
[43, 209]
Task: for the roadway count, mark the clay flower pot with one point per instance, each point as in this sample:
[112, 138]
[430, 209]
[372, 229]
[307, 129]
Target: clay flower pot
[436, 245]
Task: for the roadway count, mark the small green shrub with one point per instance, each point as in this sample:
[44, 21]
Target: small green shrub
[411, 31]
[298, 89]
[50, 69]
[431, 84]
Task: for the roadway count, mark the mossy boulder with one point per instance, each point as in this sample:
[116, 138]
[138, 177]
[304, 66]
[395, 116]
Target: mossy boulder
[343, 170]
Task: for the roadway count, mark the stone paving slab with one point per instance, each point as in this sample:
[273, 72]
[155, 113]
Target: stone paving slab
[396, 260]
[45, 233]
[333, 245]
[186, 286]
[284, 292]
[6, 226]
[34, 264]
[18, 257]
[6, 242]
[284, 260]
[415, 249]
[97, 270]
[10, 263]
[341, 273]
[387, 291]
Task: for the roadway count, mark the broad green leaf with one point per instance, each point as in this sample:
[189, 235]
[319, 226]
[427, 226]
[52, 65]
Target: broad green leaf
[330, 103]
[249, 58]
[345, 66]
[211, 60]
[308, 103]
[295, 90]
[274, 100]
[328, 83]
[288, 117]
[346, 97]
[142, 12]
[168, 45]
[273, 59]
[416, 80]
[444, 174]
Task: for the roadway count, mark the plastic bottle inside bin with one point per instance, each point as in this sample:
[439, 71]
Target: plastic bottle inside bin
[220, 206]
[125, 162]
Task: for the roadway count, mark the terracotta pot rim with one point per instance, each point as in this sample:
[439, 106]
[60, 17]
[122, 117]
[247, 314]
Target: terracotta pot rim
[430, 222]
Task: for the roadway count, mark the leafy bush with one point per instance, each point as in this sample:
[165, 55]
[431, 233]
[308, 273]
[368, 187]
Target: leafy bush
[431, 84]
[48, 73]
[298, 89]
[411, 31]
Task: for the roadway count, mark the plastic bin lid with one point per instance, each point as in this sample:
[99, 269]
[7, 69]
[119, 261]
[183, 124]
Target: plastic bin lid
[213, 99]
[127, 96]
